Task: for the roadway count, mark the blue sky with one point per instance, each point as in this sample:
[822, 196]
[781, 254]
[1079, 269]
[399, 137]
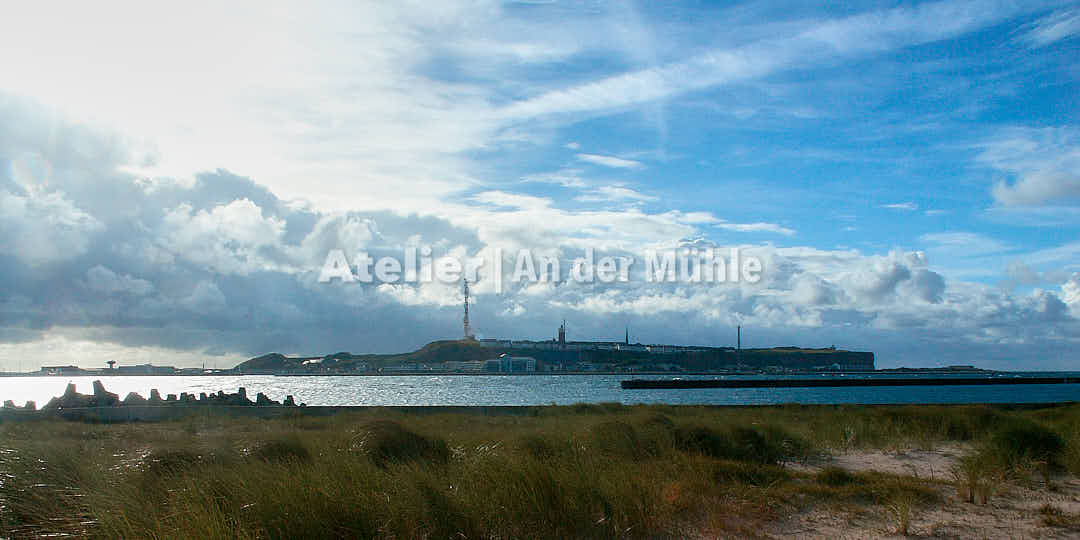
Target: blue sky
[175, 175]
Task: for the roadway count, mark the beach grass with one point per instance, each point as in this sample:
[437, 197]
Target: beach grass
[583, 471]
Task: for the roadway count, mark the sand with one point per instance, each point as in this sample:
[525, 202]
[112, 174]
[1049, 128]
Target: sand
[1012, 513]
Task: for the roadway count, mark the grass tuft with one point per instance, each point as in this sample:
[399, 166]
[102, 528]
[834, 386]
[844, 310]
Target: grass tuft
[836, 476]
[1028, 442]
[288, 449]
[768, 445]
[1053, 516]
[389, 442]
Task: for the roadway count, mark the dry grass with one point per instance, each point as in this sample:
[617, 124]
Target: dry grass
[1053, 516]
[585, 471]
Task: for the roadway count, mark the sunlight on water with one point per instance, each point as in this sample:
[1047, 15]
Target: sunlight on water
[520, 390]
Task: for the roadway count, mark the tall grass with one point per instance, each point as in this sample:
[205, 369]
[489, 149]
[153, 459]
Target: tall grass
[1019, 447]
[587, 471]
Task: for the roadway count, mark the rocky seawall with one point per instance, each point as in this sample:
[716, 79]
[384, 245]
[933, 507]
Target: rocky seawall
[107, 406]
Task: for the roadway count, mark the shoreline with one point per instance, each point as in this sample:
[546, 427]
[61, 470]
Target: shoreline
[166, 413]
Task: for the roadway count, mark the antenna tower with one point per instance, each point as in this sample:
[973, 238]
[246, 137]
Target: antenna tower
[465, 321]
[738, 347]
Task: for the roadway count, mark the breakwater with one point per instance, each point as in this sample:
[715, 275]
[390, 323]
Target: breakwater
[103, 405]
[635, 384]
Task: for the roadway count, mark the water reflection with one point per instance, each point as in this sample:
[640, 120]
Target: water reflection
[520, 390]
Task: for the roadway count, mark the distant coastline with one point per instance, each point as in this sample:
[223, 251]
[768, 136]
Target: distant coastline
[233, 372]
[560, 356]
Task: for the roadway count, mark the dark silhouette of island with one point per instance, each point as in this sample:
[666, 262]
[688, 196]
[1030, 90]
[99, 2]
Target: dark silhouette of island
[500, 356]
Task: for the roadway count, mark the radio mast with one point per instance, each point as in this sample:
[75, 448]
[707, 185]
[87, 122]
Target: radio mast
[465, 321]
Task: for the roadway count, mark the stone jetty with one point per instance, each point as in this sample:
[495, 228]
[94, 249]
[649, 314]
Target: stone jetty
[102, 398]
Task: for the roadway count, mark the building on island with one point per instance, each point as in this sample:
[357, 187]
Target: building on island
[510, 364]
[560, 354]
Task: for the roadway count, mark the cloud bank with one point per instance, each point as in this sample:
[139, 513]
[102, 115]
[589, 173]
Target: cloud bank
[221, 265]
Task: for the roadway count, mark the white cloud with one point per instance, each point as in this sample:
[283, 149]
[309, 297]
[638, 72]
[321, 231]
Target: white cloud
[1066, 255]
[512, 200]
[811, 290]
[706, 218]
[1039, 187]
[965, 244]
[338, 231]
[610, 161]
[570, 178]
[1070, 293]
[613, 193]
[229, 238]
[877, 279]
[926, 285]
[1043, 267]
[756, 227]
[697, 218]
[44, 228]
[335, 103]
[906, 206]
[1045, 163]
[426, 294]
[321, 101]
[1047, 306]
[101, 279]
[1053, 28]
[815, 43]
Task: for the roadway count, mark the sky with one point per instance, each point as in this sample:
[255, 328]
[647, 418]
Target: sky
[174, 175]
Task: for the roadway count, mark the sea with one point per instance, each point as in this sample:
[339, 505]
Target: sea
[480, 390]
